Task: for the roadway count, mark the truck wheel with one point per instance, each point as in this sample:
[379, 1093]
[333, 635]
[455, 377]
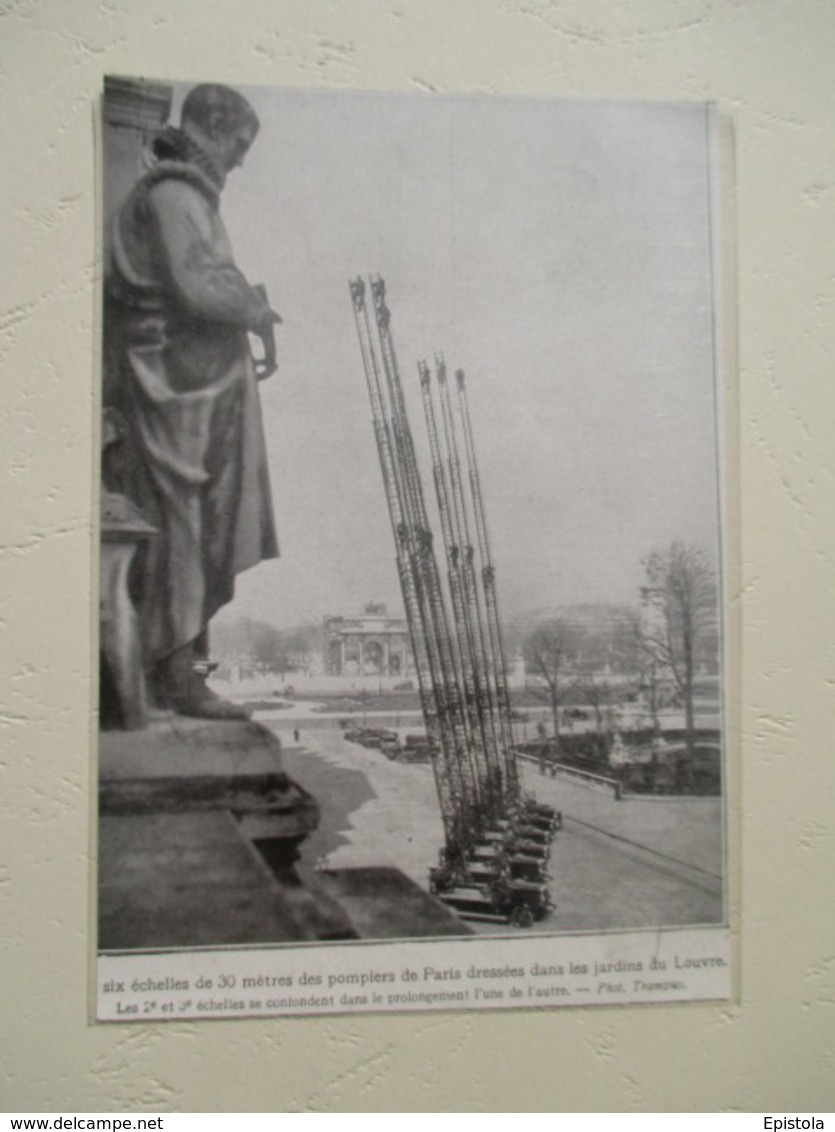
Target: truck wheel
[521, 916]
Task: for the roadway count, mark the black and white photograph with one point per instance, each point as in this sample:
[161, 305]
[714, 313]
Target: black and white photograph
[412, 676]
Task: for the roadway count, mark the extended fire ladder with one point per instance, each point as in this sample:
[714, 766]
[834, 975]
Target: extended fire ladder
[493, 862]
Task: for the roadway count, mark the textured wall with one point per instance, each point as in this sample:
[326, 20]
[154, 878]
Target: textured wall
[768, 65]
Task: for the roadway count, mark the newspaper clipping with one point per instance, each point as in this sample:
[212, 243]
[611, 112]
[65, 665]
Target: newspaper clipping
[411, 647]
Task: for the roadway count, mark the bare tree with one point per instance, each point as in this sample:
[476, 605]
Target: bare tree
[640, 669]
[264, 646]
[267, 648]
[301, 643]
[595, 688]
[681, 600]
[548, 650]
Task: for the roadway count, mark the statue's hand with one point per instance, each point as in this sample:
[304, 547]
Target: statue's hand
[263, 369]
[267, 365]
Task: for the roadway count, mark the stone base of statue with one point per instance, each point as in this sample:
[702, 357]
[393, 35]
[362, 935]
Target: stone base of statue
[200, 831]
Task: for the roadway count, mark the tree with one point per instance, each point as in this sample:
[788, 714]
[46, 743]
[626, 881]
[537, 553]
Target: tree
[640, 669]
[264, 646]
[681, 601]
[594, 688]
[300, 643]
[267, 648]
[548, 650]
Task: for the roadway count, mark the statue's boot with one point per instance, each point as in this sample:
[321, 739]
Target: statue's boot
[187, 693]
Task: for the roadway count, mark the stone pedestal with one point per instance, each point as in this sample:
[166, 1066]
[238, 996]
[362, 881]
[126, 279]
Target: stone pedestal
[199, 834]
[123, 530]
[186, 808]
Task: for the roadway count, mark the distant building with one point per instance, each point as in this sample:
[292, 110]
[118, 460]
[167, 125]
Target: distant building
[372, 644]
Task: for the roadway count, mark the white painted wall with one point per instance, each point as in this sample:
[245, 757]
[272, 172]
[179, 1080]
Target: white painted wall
[768, 64]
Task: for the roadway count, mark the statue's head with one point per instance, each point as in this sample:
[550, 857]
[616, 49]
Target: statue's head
[222, 122]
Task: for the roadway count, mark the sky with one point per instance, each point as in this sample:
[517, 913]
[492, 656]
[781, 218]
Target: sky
[560, 252]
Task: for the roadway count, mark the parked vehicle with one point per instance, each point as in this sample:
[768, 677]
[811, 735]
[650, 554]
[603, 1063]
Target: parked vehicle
[417, 749]
[372, 736]
[391, 748]
[515, 901]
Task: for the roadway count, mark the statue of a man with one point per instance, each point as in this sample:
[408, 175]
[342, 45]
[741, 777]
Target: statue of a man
[180, 373]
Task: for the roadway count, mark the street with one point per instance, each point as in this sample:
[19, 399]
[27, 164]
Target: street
[637, 863]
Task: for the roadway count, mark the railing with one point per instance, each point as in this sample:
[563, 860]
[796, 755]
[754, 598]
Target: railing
[573, 772]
